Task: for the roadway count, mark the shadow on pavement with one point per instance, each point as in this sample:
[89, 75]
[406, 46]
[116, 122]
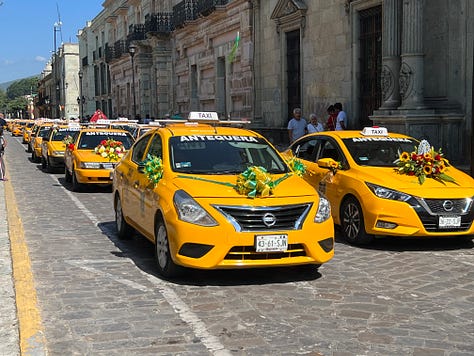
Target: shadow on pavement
[141, 252]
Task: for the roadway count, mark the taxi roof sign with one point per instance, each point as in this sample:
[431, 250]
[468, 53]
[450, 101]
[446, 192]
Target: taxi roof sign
[374, 131]
[203, 116]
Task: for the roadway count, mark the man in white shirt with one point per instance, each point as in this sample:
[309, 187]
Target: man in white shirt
[296, 126]
[341, 120]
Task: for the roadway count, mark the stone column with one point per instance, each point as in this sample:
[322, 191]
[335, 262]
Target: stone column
[392, 13]
[411, 70]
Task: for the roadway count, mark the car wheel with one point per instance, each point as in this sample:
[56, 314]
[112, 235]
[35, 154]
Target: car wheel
[166, 267]
[43, 163]
[124, 230]
[67, 175]
[352, 222]
[33, 156]
[49, 168]
[28, 149]
[76, 186]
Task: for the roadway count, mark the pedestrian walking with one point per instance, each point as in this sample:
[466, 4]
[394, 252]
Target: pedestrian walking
[296, 126]
[3, 144]
[341, 118]
[314, 124]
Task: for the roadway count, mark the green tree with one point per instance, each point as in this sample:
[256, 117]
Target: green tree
[17, 105]
[23, 87]
[3, 101]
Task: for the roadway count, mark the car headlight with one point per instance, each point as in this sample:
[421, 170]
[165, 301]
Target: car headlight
[190, 211]
[58, 153]
[90, 165]
[386, 193]
[324, 210]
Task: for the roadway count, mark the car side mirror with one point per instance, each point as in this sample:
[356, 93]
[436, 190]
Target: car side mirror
[326, 163]
[141, 168]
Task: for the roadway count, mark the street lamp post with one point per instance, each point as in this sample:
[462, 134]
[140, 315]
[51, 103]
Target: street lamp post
[131, 50]
[81, 97]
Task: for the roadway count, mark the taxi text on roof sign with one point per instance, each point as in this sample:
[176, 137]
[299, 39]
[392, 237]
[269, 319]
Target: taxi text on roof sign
[203, 116]
[375, 131]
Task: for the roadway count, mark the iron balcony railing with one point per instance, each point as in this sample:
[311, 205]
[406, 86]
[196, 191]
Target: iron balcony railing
[205, 7]
[183, 12]
[160, 22]
[136, 32]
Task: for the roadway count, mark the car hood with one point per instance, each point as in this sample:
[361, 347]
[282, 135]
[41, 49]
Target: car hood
[58, 145]
[223, 186]
[91, 156]
[388, 177]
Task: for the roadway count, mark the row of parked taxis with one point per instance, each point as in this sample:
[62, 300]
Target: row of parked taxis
[212, 194]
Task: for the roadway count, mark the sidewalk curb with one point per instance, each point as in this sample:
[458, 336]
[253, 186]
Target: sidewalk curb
[31, 335]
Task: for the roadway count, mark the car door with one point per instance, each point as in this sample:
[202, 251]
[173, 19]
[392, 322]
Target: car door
[132, 187]
[150, 197]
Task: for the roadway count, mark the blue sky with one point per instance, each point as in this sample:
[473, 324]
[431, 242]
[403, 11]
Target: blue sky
[27, 32]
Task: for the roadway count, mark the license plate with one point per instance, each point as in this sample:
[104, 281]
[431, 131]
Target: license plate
[449, 221]
[271, 243]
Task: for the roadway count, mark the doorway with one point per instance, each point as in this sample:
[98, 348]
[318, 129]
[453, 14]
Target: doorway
[293, 71]
[370, 63]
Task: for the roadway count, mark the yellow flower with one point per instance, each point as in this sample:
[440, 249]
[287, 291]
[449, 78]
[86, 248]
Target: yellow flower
[405, 156]
[427, 169]
[427, 156]
[441, 168]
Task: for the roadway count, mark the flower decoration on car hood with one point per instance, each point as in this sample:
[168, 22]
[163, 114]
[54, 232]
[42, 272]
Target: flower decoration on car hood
[68, 139]
[111, 149]
[424, 162]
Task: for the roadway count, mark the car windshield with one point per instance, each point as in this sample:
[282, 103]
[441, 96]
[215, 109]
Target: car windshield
[223, 155]
[91, 139]
[379, 151]
[44, 131]
[61, 133]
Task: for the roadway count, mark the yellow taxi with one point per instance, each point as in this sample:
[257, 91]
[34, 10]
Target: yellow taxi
[41, 132]
[382, 183]
[54, 143]
[27, 131]
[211, 196]
[92, 156]
[141, 129]
[17, 127]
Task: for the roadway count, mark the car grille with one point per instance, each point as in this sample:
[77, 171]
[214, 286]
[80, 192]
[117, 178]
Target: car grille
[284, 217]
[430, 210]
[242, 253]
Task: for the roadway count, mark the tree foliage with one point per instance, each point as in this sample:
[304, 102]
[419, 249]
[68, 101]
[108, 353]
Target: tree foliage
[23, 87]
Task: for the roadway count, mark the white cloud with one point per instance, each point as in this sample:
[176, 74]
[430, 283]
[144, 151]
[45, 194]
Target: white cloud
[40, 59]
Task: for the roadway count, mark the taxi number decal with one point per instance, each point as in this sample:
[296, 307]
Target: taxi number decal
[217, 138]
[111, 134]
[386, 139]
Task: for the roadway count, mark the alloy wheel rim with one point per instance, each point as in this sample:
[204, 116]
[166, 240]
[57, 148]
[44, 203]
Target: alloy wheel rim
[161, 247]
[352, 221]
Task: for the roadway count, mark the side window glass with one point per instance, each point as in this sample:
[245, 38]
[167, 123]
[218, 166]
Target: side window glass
[139, 149]
[155, 148]
[329, 150]
[306, 150]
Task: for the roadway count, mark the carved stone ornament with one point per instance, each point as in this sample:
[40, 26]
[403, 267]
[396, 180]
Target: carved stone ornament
[405, 80]
[386, 79]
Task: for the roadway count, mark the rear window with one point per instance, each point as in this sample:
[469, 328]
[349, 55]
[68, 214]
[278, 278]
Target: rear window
[223, 154]
[378, 151]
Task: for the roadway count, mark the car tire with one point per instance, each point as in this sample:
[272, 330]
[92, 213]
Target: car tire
[352, 222]
[33, 156]
[67, 175]
[49, 167]
[124, 230]
[166, 267]
[28, 149]
[43, 163]
[76, 186]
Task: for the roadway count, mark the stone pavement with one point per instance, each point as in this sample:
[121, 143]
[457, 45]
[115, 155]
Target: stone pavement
[9, 336]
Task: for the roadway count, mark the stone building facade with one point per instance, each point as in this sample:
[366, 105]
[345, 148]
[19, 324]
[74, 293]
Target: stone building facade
[404, 64]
